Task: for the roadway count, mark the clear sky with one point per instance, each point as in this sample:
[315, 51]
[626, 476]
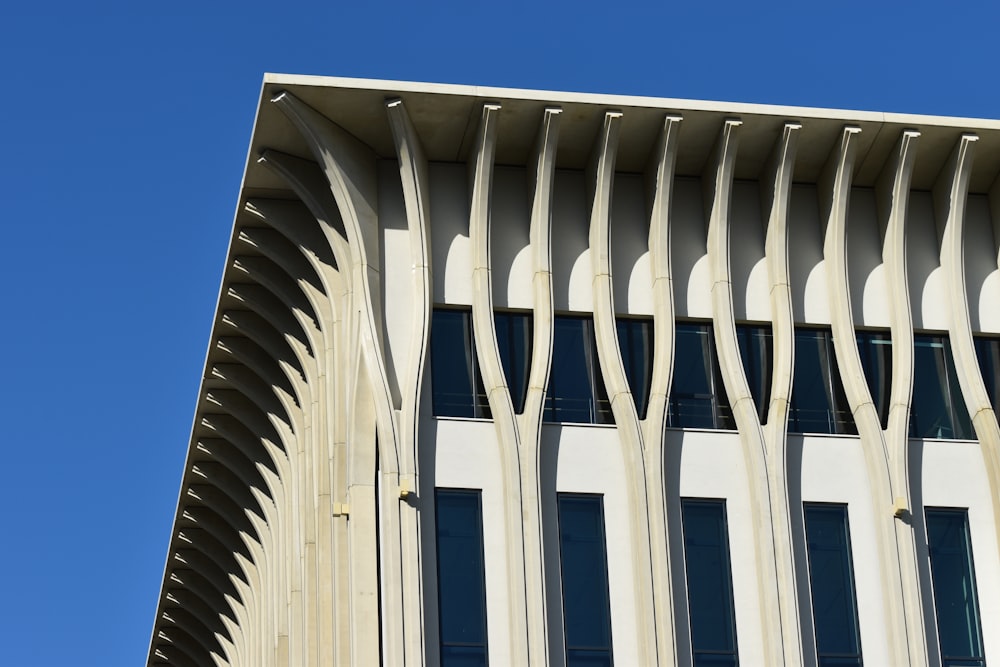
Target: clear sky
[124, 137]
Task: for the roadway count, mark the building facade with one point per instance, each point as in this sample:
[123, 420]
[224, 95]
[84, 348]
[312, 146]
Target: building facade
[528, 378]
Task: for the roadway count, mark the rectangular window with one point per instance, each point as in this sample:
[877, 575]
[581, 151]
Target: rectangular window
[831, 582]
[576, 390]
[457, 386]
[709, 582]
[697, 398]
[757, 351]
[988, 354]
[875, 348]
[937, 409]
[953, 577]
[635, 339]
[461, 578]
[584, 560]
[818, 403]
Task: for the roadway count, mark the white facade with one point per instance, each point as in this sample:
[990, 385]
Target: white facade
[305, 526]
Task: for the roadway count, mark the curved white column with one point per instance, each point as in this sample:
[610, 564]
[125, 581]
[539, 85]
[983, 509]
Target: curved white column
[950, 196]
[660, 181]
[494, 382]
[769, 508]
[529, 423]
[835, 190]
[416, 197]
[626, 416]
[349, 167]
[775, 196]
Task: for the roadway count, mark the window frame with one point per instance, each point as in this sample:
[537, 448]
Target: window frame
[477, 495]
[848, 556]
[727, 567]
[606, 589]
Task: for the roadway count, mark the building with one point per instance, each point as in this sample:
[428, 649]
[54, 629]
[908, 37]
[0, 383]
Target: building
[547, 378]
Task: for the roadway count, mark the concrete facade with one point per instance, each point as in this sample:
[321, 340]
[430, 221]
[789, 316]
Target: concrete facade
[304, 532]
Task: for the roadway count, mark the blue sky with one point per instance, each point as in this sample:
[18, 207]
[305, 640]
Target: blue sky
[124, 139]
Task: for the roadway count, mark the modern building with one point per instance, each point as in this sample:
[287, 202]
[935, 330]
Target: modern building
[534, 378]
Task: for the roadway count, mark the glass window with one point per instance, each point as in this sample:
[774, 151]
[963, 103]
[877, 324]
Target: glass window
[461, 578]
[576, 390]
[514, 331]
[988, 354]
[635, 338]
[953, 577]
[697, 398]
[937, 409]
[457, 388]
[709, 582]
[875, 348]
[818, 403]
[756, 350]
[583, 556]
[831, 582]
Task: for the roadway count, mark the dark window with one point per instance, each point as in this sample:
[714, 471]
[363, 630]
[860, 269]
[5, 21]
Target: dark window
[635, 338]
[576, 390]
[937, 409]
[831, 582]
[953, 576]
[514, 332]
[756, 349]
[697, 398]
[988, 353]
[709, 582]
[875, 348]
[461, 578]
[457, 385]
[586, 605]
[818, 403]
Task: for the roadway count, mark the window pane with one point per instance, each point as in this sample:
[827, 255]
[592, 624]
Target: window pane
[461, 577]
[457, 389]
[937, 409]
[635, 338]
[988, 353]
[583, 554]
[756, 350]
[831, 581]
[818, 403]
[576, 390]
[875, 348]
[709, 582]
[514, 340]
[954, 581]
[697, 399]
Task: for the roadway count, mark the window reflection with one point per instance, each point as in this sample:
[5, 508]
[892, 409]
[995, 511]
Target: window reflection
[635, 339]
[937, 409]
[709, 582]
[757, 352]
[875, 348]
[697, 398]
[461, 578]
[831, 582]
[576, 390]
[584, 570]
[457, 386]
[988, 354]
[514, 331]
[818, 403]
[953, 578]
